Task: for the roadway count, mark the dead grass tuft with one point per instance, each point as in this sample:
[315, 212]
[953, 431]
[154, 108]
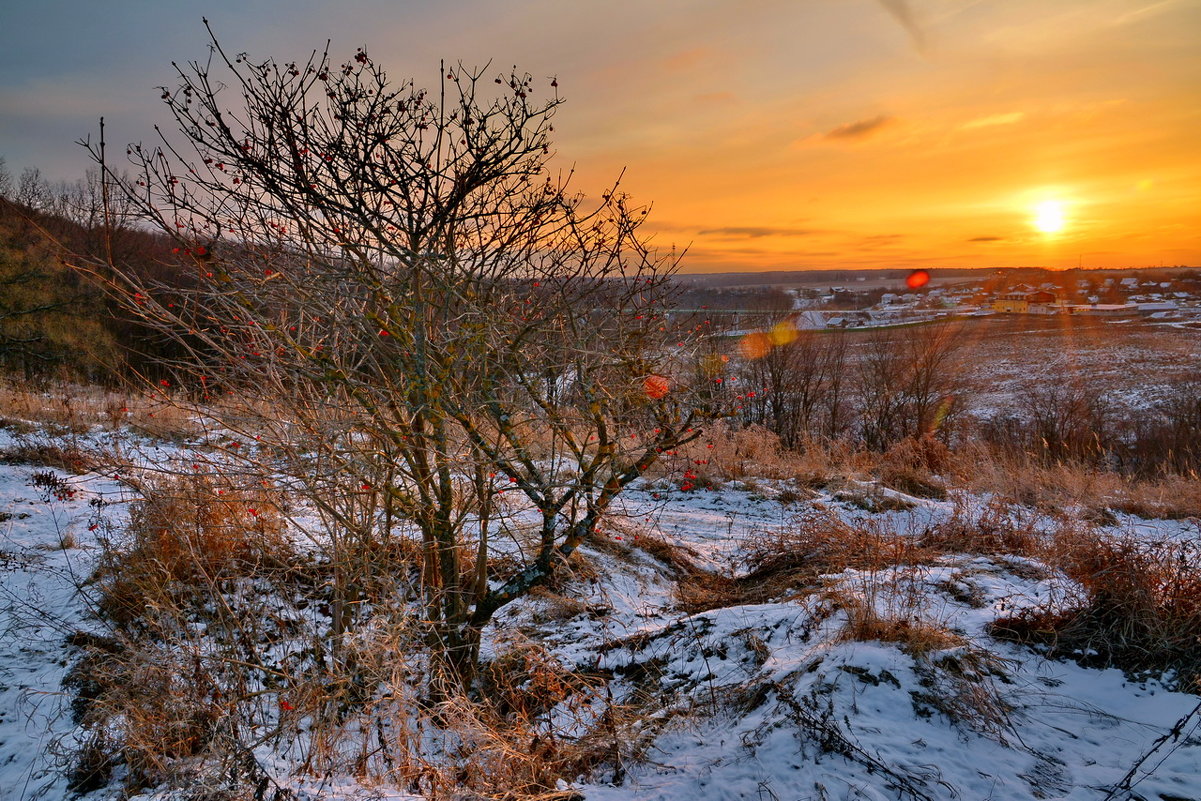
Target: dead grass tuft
[817, 541]
[64, 409]
[912, 466]
[1171, 498]
[956, 679]
[814, 543]
[186, 534]
[146, 708]
[1075, 488]
[993, 528]
[1138, 608]
[46, 452]
[915, 635]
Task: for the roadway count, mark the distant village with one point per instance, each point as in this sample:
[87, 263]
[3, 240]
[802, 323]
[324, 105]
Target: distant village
[1131, 297]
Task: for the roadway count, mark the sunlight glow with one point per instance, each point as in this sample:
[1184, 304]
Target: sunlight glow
[1049, 217]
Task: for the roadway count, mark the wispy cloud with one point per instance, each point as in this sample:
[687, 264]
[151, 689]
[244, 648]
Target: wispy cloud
[1009, 118]
[860, 129]
[1146, 11]
[755, 231]
[987, 239]
[902, 12]
[880, 240]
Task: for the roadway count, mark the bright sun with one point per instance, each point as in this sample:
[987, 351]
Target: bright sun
[1048, 217]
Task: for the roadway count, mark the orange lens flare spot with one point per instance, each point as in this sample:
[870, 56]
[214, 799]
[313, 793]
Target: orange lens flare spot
[782, 333]
[655, 386]
[917, 279]
[755, 345]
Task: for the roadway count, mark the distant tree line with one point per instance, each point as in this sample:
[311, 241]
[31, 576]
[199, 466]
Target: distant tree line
[875, 389]
[53, 322]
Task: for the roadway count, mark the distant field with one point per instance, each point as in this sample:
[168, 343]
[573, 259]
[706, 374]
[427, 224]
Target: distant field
[1135, 359]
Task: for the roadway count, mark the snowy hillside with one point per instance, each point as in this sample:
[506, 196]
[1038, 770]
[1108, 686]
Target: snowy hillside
[725, 645]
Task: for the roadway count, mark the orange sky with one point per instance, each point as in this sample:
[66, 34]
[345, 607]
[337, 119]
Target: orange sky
[824, 135]
[770, 134]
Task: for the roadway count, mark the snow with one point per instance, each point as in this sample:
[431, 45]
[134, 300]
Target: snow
[39, 608]
[762, 701]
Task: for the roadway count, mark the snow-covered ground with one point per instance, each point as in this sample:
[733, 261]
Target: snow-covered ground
[767, 700]
[46, 549]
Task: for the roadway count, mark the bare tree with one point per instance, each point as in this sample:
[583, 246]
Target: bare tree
[429, 323]
[908, 383]
[6, 180]
[802, 381]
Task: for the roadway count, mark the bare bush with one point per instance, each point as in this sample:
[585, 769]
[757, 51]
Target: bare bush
[909, 384]
[1138, 606]
[1057, 419]
[994, 527]
[429, 315]
[797, 381]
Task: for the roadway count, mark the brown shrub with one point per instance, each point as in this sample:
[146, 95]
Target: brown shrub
[912, 466]
[914, 634]
[145, 708]
[678, 558]
[185, 534]
[817, 541]
[991, 529]
[725, 454]
[1171, 498]
[45, 452]
[923, 453]
[1139, 606]
[915, 483]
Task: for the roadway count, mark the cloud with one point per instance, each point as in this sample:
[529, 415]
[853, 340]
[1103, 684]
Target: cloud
[860, 129]
[903, 13]
[879, 241]
[754, 231]
[994, 119]
[1146, 11]
[987, 239]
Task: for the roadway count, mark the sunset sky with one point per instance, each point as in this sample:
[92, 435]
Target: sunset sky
[769, 135]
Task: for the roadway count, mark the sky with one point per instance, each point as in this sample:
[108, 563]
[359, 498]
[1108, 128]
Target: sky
[767, 134]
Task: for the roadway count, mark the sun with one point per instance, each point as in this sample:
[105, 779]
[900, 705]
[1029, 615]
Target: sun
[1049, 217]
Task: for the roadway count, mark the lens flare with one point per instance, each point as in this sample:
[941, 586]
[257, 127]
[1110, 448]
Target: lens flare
[655, 386]
[782, 333]
[917, 279]
[755, 345]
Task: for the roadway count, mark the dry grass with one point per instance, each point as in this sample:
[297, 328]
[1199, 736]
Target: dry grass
[725, 454]
[916, 636]
[1138, 608]
[912, 466]
[871, 498]
[1170, 498]
[894, 605]
[73, 409]
[994, 528]
[219, 631]
[48, 452]
[817, 541]
[187, 534]
[792, 558]
[146, 708]
[1075, 488]
[70, 406]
